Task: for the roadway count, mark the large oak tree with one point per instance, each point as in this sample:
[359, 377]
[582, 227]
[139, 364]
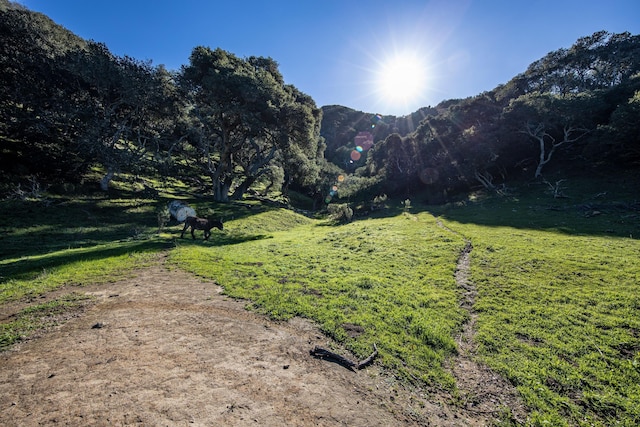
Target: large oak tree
[243, 118]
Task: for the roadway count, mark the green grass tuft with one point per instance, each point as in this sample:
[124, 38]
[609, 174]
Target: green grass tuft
[38, 317]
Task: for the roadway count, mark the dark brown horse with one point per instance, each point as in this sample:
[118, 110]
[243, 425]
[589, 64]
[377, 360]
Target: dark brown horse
[201, 224]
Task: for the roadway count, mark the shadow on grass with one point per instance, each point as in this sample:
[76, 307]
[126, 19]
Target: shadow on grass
[599, 205]
[30, 267]
[612, 217]
[31, 228]
[223, 239]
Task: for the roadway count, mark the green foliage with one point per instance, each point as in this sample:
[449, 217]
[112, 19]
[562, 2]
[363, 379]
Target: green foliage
[233, 125]
[243, 118]
[35, 96]
[358, 188]
[340, 126]
[126, 108]
[614, 56]
[399, 161]
[621, 137]
[340, 212]
[482, 140]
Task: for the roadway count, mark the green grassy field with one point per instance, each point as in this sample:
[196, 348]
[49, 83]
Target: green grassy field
[559, 300]
[559, 317]
[391, 279]
[558, 281]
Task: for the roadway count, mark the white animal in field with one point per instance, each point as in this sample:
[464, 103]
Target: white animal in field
[180, 210]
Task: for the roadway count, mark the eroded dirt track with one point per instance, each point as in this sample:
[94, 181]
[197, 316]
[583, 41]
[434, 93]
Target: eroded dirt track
[166, 348]
[481, 390]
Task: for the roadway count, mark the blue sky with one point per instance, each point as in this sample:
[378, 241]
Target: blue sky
[336, 50]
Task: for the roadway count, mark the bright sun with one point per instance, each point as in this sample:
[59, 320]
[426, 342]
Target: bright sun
[401, 80]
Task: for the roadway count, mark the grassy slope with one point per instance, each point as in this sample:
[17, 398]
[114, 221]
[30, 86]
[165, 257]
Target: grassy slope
[559, 302]
[559, 316]
[49, 242]
[392, 277]
[558, 283]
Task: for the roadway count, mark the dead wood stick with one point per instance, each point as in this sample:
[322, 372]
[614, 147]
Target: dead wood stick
[369, 359]
[323, 353]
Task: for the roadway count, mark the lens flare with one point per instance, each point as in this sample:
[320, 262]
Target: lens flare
[402, 78]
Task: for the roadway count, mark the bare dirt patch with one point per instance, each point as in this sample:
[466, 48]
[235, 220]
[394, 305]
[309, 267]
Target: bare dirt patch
[167, 348]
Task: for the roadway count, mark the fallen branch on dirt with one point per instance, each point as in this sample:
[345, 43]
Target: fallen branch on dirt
[322, 353]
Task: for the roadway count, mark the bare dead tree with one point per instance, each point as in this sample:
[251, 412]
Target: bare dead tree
[556, 188]
[548, 145]
[486, 179]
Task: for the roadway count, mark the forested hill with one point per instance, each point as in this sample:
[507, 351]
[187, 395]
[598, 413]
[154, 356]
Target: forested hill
[575, 109]
[230, 125]
[341, 125]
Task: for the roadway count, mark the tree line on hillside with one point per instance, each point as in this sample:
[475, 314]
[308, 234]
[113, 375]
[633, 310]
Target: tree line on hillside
[70, 104]
[575, 110]
[228, 125]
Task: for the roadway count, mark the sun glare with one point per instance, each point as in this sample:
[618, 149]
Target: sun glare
[401, 80]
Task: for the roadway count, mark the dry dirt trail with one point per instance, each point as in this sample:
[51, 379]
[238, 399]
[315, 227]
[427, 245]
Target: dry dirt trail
[481, 390]
[166, 348]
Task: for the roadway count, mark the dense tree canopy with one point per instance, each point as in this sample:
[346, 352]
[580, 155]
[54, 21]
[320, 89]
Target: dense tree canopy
[567, 109]
[67, 104]
[34, 95]
[125, 107]
[243, 117]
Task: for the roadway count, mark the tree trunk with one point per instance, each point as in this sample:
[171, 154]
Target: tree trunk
[544, 157]
[485, 179]
[106, 180]
[220, 191]
[242, 188]
[540, 134]
[221, 176]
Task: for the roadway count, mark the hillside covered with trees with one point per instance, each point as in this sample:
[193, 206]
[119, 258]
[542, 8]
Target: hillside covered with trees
[230, 125]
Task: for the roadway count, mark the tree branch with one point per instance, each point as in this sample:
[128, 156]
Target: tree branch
[322, 353]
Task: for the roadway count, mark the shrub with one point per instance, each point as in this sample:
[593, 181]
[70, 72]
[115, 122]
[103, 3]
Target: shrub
[340, 212]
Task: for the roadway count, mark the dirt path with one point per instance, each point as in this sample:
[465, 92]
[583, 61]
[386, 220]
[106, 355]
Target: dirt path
[166, 348]
[481, 390]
